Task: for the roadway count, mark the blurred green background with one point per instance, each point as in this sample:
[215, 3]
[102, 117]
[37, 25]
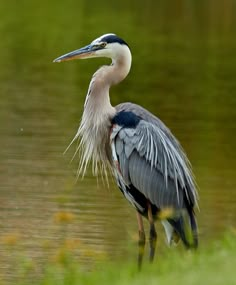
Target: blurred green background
[184, 68]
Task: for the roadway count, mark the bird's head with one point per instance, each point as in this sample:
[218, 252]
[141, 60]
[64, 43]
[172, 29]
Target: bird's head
[108, 45]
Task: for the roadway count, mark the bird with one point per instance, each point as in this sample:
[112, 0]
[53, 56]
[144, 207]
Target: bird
[148, 163]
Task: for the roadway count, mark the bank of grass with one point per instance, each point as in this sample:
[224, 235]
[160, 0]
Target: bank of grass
[212, 264]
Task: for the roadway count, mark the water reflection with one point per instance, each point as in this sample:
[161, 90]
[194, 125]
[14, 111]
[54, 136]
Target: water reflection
[184, 68]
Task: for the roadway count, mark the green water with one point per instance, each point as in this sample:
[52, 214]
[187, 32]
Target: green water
[184, 68]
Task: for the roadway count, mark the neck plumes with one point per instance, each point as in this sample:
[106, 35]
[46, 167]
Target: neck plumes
[96, 120]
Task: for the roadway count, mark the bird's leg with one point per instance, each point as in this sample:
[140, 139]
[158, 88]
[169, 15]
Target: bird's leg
[153, 234]
[141, 241]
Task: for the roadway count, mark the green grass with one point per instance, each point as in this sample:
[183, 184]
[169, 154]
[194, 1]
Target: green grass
[211, 264]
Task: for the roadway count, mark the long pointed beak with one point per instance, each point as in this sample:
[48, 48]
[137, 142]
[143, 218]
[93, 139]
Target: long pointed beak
[83, 52]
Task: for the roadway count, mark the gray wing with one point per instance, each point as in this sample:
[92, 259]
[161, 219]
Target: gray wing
[152, 160]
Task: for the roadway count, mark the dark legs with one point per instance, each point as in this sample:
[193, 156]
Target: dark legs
[142, 239]
[153, 234]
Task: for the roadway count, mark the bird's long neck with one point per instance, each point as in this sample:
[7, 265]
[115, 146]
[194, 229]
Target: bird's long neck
[104, 78]
[97, 108]
[98, 111]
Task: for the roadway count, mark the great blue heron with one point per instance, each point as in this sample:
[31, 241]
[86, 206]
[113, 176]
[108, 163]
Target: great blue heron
[149, 165]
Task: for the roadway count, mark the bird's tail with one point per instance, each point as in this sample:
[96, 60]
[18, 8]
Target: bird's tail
[185, 226]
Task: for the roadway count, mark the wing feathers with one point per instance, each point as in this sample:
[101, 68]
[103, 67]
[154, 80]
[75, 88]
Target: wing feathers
[153, 164]
[151, 183]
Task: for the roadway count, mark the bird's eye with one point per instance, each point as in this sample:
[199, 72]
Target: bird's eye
[103, 45]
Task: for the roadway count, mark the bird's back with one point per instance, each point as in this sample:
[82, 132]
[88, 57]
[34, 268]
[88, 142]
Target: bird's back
[171, 144]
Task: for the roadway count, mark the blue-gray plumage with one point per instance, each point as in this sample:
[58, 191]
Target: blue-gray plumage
[156, 150]
[150, 166]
